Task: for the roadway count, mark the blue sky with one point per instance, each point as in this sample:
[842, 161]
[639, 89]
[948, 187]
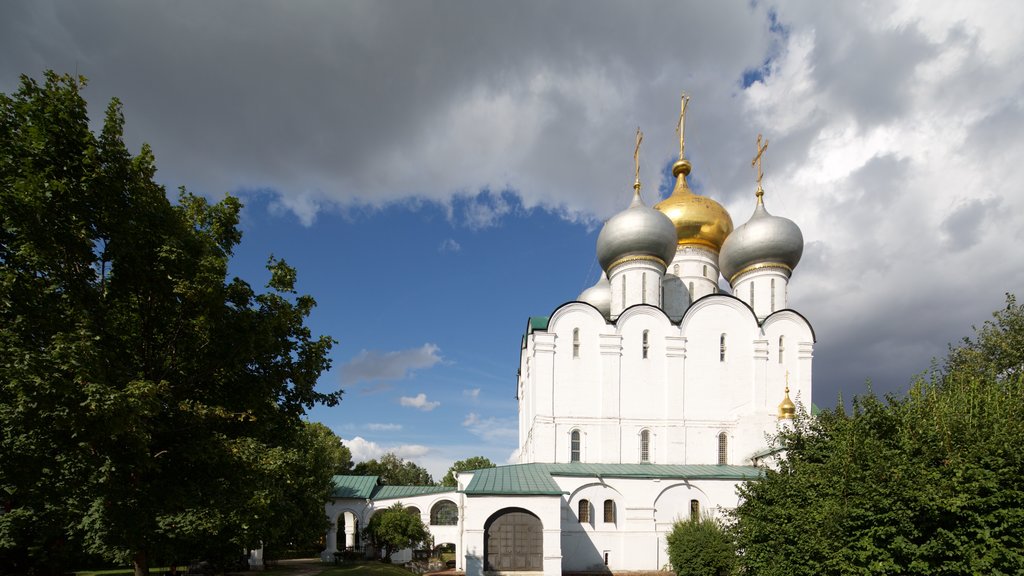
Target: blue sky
[428, 304]
[438, 171]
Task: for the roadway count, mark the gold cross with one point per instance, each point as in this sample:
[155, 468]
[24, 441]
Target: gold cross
[787, 381]
[757, 160]
[681, 124]
[636, 158]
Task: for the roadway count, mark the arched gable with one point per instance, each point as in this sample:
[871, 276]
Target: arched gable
[721, 301]
[576, 309]
[673, 501]
[788, 316]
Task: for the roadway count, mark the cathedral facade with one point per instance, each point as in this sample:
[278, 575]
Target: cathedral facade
[644, 401]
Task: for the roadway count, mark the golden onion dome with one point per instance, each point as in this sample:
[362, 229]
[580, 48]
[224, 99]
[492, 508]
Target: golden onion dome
[699, 220]
[786, 408]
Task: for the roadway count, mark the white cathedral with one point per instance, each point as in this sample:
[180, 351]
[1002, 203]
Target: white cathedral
[643, 402]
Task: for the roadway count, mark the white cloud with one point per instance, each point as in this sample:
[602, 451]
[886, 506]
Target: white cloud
[418, 402]
[370, 365]
[492, 430]
[379, 427]
[448, 246]
[363, 449]
[473, 393]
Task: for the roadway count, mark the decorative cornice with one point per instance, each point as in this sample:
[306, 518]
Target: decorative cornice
[761, 266]
[636, 258]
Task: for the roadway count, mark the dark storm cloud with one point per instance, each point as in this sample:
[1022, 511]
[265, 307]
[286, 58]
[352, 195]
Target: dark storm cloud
[895, 130]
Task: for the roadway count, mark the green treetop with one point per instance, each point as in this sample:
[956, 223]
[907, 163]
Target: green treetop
[149, 405]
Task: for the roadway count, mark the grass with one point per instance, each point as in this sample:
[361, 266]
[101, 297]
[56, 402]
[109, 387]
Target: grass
[361, 568]
[126, 571]
[366, 569]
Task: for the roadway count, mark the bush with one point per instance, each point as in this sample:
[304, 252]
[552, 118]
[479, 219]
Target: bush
[701, 547]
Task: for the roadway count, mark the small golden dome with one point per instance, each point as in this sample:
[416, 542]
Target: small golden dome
[786, 408]
[699, 221]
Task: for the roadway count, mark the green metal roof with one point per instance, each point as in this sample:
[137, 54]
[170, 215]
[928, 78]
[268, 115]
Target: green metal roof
[364, 487]
[354, 486]
[538, 479]
[525, 479]
[537, 323]
[386, 492]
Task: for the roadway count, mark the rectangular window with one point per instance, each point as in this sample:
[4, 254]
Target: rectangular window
[694, 510]
[609, 511]
[645, 446]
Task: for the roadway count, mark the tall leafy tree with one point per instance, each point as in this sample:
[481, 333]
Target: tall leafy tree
[149, 404]
[471, 463]
[395, 471]
[928, 483]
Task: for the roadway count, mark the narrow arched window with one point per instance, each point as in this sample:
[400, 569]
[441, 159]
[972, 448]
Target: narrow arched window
[706, 271]
[575, 342]
[623, 290]
[782, 347]
[694, 510]
[643, 288]
[751, 294]
[723, 449]
[675, 269]
[584, 511]
[721, 348]
[773, 294]
[574, 446]
[646, 344]
[645, 446]
[609, 511]
[691, 291]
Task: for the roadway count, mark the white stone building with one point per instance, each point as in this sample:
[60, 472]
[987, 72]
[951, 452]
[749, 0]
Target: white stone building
[644, 401]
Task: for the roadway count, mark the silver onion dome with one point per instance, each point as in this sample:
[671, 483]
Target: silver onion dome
[637, 231]
[764, 239]
[599, 296]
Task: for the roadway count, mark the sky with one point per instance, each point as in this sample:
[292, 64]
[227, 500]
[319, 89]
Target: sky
[439, 171]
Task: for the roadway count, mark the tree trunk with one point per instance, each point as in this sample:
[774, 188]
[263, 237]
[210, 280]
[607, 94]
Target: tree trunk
[140, 563]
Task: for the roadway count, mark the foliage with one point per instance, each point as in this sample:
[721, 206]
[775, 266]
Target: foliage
[471, 463]
[396, 528]
[394, 471]
[149, 406]
[338, 456]
[931, 483]
[701, 546]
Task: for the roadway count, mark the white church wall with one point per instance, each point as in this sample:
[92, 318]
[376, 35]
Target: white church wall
[798, 344]
[718, 383]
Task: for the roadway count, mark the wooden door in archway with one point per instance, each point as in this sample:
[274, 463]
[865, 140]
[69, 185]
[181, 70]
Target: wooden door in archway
[514, 541]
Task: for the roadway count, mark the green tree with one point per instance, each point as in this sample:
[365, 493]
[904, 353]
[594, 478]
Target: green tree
[150, 407]
[396, 528]
[395, 471]
[701, 546]
[928, 483]
[339, 456]
[471, 463]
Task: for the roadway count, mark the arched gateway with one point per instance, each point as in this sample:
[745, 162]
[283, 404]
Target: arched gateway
[514, 540]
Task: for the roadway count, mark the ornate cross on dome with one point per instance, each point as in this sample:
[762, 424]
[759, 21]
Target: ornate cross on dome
[636, 158]
[757, 160]
[681, 124]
